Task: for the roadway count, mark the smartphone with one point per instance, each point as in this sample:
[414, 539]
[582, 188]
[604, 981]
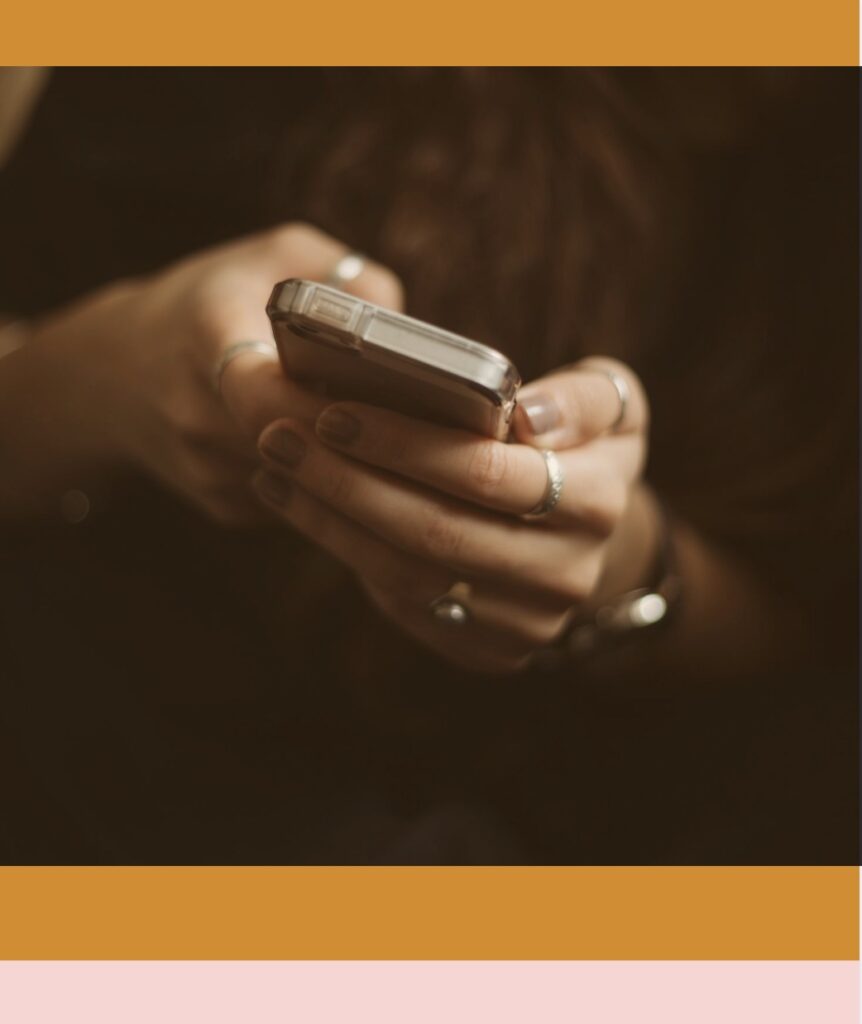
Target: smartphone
[362, 352]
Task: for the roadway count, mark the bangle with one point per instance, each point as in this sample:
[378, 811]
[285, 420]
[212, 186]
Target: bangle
[638, 613]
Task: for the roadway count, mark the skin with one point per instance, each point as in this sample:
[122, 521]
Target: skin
[124, 378]
[413, 507]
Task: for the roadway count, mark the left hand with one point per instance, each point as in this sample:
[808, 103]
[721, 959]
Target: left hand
[413, 508]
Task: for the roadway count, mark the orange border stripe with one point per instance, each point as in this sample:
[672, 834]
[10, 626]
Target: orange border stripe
[672, 32]
[349, 913]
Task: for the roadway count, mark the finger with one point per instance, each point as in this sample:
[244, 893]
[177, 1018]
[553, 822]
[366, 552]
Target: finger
[580, 403]
[301, 250]
[508, 478]
[622, 455]
[513, 613]
[233, 312]
[434, 527]
[229, 288]
[256, 392]
[503, 477]
[474, 646]
[405, 580]
[402, 587]
[398, 573]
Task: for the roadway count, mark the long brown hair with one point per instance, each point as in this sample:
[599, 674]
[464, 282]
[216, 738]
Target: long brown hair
[697, 223]
[535, 208]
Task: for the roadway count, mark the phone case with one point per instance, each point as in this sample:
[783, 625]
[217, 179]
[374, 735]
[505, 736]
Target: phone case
[362, 352]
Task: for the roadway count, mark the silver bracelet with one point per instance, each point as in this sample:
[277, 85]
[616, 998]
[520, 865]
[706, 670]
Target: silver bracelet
[635, 614]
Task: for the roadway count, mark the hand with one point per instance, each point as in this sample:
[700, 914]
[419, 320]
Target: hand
[125, 376]
[414, 508]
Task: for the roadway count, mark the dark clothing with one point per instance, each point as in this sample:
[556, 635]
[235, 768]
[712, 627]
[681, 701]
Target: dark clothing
[173, 692]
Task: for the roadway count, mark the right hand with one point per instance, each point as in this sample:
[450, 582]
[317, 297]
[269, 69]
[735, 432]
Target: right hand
[125, 375]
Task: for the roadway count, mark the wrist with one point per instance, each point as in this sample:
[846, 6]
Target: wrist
[634, 549]
[631, 601]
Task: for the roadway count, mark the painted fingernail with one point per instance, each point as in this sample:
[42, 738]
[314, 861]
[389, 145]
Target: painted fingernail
[542, 412]
[337, 426]
[272, 488]
[285, 447]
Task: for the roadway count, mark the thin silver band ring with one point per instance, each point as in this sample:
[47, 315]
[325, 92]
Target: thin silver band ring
[347, 269]
[264, 348]
[451, 608]
[553, 490]
[621, 386]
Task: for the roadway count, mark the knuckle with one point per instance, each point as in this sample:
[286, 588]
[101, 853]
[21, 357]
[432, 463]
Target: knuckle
[571, 584]
[573, 588]
[254, 400]
[207, 301]
[624, 370]
[637, 392]
[186, 421]
[617, 498]
[591, 572]
[605, 513]
[616, 503]
[601, 520]
[441, 536]
[204, 314]
[292, 236]
[488, 467]
[380, 285]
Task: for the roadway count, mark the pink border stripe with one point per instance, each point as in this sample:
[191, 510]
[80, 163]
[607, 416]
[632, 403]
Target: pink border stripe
[355, 992]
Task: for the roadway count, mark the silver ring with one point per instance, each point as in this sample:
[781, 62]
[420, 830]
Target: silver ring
[554, 488]
[347, 269]
[621, 386]
[264, 348]
[450, 608]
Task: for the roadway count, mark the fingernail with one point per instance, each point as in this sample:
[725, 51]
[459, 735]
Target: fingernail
[337, 426]
[272, 488]
[542, 412]
[285, 447]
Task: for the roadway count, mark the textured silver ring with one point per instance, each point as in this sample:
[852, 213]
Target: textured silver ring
[450, 608]
[621, 386]
[554, 488]
[347, 269]
[264, 348]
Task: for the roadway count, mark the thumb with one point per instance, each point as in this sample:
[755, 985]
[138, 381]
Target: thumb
[572, 406]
